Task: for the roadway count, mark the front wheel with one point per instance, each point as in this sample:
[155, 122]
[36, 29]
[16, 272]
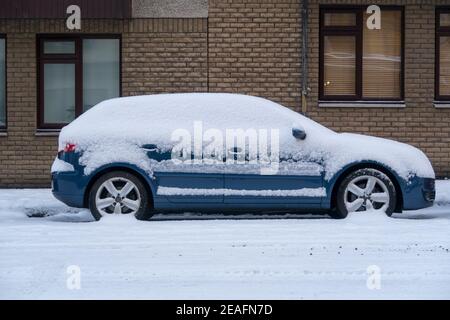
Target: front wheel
[119, 192]
[365, 190]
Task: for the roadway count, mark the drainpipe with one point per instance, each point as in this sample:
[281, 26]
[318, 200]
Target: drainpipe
[304, 55]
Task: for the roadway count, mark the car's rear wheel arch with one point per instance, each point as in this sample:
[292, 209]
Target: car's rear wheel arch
[104, 171]
[367, 165]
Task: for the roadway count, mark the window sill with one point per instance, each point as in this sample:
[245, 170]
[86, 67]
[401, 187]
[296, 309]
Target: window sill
[442, 104]
[3, 134]
[362, 104]
[47, 133]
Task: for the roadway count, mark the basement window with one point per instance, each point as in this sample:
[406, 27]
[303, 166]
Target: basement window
[358, 63]
[75, 73]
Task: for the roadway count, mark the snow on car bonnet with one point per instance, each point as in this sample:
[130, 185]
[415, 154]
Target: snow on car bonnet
[115, 131]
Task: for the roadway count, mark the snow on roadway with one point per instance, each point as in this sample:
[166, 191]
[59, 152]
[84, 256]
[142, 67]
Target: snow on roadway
[193, 256]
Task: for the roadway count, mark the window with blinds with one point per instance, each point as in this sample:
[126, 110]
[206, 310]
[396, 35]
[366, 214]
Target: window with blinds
[2, 82]
[340, 19]
[444, 66]
[358, 63]
[382, 57]
[443, 54]
[444, 18]
[339, 65]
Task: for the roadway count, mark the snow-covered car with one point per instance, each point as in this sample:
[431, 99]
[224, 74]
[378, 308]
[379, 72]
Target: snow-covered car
[227, 152]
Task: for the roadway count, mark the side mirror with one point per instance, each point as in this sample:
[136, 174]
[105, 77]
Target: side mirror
[299, 133]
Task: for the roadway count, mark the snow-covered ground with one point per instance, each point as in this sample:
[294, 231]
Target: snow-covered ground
[194, 256]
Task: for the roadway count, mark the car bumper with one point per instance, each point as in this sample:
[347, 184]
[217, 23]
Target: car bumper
[419, 193]
[67, 188]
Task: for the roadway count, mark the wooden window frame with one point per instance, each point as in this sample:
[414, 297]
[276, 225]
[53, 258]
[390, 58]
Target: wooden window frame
[5, 127]
[357, 32]
[440, 32]
[77, 59]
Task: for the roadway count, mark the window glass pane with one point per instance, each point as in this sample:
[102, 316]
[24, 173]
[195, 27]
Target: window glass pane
[59, 93]
[101, 71]
[59, 47]
[445, 19]
[382, 58]
[2, 84]
[444, 67]
[340, 19]
[339, 68]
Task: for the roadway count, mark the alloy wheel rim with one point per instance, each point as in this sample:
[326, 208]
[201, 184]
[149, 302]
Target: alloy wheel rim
[117, 196]
[366, 193]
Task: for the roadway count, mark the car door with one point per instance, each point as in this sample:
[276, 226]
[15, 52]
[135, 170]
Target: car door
[290, 182]
[191, 184]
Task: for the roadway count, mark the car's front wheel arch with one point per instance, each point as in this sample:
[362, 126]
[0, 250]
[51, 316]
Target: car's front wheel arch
[367, 165]
[106, 170]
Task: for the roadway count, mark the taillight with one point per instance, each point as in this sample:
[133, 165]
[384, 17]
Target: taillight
[70, 147]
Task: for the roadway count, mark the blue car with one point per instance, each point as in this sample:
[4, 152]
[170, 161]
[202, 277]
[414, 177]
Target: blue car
[226, 152]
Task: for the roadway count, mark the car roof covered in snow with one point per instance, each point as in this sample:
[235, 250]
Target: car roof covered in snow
[115, 131]
[159, 115]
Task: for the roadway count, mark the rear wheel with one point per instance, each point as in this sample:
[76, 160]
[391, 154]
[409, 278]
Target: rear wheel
[119, 192]
[365, 190]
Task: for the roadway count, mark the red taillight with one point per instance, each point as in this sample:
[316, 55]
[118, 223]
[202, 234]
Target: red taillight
[70, 147]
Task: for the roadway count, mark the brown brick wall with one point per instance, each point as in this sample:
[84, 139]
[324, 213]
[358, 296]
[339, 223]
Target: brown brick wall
[255, 48]
[164, 55]
[158, 55]
[245, 46]
[419, 123]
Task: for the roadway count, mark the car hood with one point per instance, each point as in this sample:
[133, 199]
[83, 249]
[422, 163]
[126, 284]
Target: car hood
[407, 161]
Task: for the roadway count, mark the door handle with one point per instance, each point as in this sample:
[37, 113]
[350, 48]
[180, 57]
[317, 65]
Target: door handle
[150, 147]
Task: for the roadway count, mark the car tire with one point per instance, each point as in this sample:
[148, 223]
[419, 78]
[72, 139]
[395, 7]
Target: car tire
[364, 190]
[136, 202]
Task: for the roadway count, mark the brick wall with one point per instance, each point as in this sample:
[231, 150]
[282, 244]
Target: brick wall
[419, 123]
[245, 46]
[164, 55]
[255, 49]
[158, 55]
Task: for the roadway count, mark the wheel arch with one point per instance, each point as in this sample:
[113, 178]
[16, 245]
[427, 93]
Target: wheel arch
[366, 165]
[138, 173]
